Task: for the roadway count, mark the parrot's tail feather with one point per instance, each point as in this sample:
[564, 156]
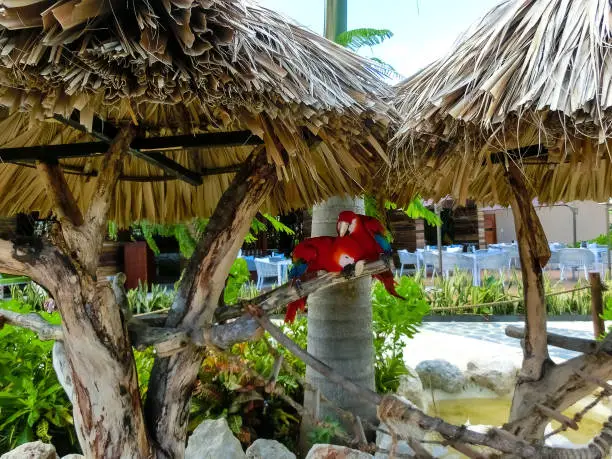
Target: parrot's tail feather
[292, 309]
[388, 281]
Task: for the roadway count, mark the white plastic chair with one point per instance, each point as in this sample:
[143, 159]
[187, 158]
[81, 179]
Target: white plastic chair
[407, 258]
[494, 260]
[265, 270]
[455, 261]
[576, 259]
[431, 259]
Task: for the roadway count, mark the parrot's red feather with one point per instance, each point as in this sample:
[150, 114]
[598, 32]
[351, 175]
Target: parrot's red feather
[292, 309]
[386, 277]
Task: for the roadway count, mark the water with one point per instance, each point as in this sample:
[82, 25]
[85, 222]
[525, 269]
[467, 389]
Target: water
[495, 411]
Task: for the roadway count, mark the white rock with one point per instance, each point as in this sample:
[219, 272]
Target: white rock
[496, 375]
[268, 449]
[411, 388]
[74, 456]
[33, 450]
[384, 443]
[440, 374]
[213, 439]
[322, 451]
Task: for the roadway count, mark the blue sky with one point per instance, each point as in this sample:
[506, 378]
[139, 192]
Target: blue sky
[423, 29]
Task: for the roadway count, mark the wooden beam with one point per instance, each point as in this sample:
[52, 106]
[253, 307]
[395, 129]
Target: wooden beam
[106, 132]
[537, 152]
[585, 346]
[206, 140]
[52, 152]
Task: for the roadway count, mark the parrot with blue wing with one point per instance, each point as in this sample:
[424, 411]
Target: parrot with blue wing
[324, 253]
[369, 233]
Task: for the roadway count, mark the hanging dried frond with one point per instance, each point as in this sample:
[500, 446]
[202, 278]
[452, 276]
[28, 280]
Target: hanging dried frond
[187, 66]
[536, 72]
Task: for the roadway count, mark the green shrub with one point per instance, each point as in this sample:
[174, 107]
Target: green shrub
[33, 405]
[141, 300]
[394, 321]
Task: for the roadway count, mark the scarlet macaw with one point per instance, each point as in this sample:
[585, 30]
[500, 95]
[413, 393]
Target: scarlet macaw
[324, 253]
[370, 235]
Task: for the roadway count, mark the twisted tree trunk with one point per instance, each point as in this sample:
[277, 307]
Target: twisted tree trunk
[173, 378]
[534, 254]
[98, 355]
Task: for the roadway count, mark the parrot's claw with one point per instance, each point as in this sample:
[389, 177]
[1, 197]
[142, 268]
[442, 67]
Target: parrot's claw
[359, 266]
[298, 286]
[348, 271]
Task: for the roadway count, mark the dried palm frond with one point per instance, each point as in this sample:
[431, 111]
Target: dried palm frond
[535, 72]
[187, 67]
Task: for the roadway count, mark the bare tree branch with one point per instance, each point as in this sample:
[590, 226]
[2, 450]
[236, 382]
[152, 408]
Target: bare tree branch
[32, 321]
[172, 378]
[399, 415]
[63, 202]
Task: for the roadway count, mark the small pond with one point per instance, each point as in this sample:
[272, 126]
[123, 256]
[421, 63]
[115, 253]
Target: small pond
[495, 411]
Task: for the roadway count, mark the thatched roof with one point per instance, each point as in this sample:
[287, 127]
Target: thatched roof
[185, 67]
[531, 72]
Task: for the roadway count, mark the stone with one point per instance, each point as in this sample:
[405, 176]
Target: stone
[74, 456]
[496, 375]
[322, 451]
[411, 388]
[440, 374]
[32, 450]
[268, 449]
[384, 443]
[213, 439]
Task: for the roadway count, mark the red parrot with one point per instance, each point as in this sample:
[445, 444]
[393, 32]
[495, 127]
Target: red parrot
[370, 235]
[324, 253]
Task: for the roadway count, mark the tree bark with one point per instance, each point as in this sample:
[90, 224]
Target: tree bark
[339, 331]
[534, 254]
[172, 379]
[96, 350]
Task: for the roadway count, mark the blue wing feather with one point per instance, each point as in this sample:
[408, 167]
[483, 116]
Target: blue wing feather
[298, 270]
[383, 243]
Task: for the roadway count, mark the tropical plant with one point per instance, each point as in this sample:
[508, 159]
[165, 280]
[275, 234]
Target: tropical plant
[30, 293]
[415, 209]
[187, 234]
[141, 300]
[356, 39]
[394, 321]
[33, 405]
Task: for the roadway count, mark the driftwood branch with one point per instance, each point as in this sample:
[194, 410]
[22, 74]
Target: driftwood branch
[285, 294]
[400, 415]
[585, 346]
[229, 331]
[31, 321]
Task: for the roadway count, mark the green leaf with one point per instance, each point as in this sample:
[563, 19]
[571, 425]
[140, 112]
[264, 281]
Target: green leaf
[416, 209]
[358, 38]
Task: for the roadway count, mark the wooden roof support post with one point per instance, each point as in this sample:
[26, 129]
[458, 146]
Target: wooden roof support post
[534, 254]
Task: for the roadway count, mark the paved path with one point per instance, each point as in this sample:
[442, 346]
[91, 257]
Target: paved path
[459, 342]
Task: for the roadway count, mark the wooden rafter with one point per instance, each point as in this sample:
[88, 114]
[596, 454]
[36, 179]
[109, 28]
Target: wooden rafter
[106, 132]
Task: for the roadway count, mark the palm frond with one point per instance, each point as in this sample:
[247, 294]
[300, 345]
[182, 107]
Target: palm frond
[356, 39]
[417, 209]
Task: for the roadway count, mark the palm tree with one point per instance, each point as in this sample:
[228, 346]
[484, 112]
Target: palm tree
[340, 319]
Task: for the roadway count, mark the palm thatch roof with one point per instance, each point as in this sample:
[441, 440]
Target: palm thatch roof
[532, 83]
[180, 67]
